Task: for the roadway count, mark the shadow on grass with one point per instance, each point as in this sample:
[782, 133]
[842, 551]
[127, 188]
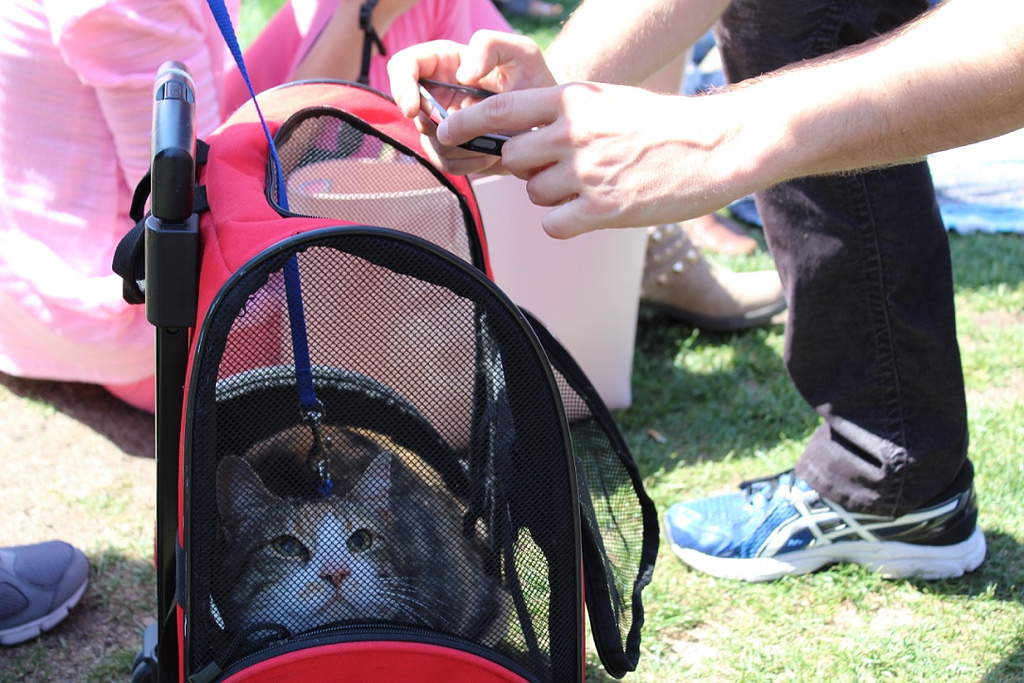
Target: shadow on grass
[129, 429]
[702, 397]
[998, 578]
[1011, 668]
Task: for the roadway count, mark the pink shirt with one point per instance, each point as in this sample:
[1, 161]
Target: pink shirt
[76, 93]
[76, 89]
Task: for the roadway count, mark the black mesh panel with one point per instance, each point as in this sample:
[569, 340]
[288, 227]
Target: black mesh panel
[435, 495]
[620, 523]
[338, 167]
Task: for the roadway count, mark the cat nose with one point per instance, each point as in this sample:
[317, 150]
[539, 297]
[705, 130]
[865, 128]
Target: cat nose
[336, 576]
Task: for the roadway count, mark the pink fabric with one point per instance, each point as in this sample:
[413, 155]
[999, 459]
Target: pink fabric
[76, 88]
[141, 394]
[274, 55]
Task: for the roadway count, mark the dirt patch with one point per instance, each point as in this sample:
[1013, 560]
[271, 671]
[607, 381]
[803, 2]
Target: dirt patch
[78, 465]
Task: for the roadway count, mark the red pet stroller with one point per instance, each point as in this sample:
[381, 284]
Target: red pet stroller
[371, 464]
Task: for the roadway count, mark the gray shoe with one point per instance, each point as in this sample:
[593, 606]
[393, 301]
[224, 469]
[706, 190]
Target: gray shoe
[38, 585]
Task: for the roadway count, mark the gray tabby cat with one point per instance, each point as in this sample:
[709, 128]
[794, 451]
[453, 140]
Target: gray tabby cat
[391, 548]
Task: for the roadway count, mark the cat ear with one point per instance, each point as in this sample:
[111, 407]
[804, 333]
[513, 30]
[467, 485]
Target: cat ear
[375, 484]
[239, 488]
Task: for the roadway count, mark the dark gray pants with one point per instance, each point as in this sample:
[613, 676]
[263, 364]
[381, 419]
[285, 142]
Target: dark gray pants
[871, 339]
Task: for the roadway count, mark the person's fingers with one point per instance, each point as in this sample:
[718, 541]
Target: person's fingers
[503, 113]
[527, 153]
[455, 160]
[490, 56]
[452, 62]
[404, 73]
[436, 59]
[565, 221]
[576, 215]
[477, 164]
[549, 185]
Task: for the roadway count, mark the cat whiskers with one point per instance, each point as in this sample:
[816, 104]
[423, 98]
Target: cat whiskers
[405, 597]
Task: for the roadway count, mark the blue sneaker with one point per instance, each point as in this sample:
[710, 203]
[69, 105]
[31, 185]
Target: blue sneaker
[780, 526]
[38, 585]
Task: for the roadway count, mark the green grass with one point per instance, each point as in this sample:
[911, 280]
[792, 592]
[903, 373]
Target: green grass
[728, 412]
[253, 16]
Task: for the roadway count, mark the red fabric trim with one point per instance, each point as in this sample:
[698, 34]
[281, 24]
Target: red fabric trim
[180, 614]
[383, 661]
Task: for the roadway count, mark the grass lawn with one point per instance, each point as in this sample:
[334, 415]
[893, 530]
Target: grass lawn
[730, 413]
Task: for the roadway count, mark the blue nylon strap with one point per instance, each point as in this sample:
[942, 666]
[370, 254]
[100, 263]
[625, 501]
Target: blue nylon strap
[223, 19]
[310, 406]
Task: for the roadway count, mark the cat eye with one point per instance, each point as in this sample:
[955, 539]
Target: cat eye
[289, 546]
[360, 541]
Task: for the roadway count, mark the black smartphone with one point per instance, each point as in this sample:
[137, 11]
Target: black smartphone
[490, 143]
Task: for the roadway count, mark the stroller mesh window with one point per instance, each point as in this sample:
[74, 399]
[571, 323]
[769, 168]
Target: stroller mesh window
[619, 520]
[336, 168]
[434, 496]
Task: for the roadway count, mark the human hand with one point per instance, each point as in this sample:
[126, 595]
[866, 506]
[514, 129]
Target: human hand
[492, 60]
[608, 156]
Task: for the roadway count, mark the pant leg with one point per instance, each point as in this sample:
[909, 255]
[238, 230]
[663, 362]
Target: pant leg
[864, 259]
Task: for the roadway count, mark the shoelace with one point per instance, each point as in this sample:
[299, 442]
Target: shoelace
[760, 492]
[766, 486]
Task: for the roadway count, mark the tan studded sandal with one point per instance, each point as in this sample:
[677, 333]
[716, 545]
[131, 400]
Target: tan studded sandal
[679, 282]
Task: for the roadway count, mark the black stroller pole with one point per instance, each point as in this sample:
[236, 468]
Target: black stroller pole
[172, 255]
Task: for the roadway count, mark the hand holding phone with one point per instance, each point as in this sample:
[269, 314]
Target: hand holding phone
[490, 143]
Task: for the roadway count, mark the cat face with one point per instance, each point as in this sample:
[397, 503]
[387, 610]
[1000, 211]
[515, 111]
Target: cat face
[390, 547]
[311, 562]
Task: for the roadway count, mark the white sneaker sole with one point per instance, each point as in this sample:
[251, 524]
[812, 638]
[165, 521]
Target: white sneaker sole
[891, 559]
[33, 629]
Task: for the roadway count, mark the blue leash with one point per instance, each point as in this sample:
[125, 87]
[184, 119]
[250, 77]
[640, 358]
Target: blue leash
[311, 409]
[223, 19]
